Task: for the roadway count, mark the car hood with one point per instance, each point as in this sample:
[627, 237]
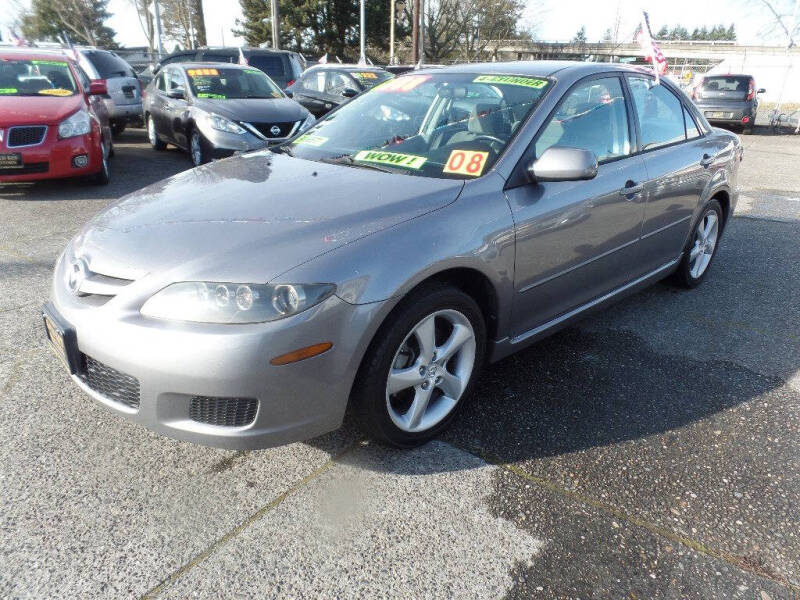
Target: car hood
[255, 110]
[45, 110]
[250, 218]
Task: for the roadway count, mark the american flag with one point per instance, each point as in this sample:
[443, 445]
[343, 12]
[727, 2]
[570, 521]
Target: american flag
[652, 52]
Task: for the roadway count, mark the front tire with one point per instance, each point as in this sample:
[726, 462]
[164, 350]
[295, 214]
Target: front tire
[198, 148]
[103, 176]
[702, 247]
[421, 366]
[152, 135]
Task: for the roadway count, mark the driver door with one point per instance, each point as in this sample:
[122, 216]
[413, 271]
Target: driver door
[578, 240]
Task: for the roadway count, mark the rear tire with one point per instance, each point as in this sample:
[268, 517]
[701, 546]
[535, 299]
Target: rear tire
[421, 366]
[701, 249]
[152, 135]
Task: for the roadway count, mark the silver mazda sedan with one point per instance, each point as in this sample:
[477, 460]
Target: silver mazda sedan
[442, 219]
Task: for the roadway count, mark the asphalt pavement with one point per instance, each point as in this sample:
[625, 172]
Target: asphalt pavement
[651, 451]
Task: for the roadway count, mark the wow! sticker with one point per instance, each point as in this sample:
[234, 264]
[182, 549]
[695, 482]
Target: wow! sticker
[530, 82]
[311, 140]
[392, 159]
[466, 162]
[55, 92]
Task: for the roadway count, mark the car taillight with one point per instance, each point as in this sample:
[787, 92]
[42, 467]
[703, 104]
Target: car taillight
[751, 90]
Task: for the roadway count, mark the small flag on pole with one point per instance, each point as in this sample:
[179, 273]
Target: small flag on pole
[242, 59]
[18, 41]
[323, 60]
[650, 49]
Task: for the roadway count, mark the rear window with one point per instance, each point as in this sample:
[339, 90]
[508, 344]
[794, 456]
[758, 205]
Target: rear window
[725, 84]
[271, 65]
[109, 65]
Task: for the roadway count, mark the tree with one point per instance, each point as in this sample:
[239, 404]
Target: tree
[663, 33]
[679, 32]
[82, 20]
[143, 11]
[784, 16]
[183, 22]
[580, 36]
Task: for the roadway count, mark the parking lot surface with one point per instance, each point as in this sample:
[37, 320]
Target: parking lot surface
[651, 451]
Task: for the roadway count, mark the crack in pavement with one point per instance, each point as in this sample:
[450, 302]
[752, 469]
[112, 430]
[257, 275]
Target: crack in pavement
[739, 562]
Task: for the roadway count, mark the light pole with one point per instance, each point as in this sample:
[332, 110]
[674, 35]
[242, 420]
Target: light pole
[158, 29]
[276, 24]
[362, 60]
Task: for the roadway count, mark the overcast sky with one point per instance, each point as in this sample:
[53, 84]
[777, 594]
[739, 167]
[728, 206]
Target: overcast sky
[559, 20]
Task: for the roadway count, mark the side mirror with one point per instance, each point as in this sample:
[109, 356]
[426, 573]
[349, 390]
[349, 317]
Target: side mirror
[762, 91]
[98, 87]
[560, 163]
[349, 93]
[177, 93]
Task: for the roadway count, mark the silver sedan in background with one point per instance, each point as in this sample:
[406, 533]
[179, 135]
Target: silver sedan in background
[442, 219]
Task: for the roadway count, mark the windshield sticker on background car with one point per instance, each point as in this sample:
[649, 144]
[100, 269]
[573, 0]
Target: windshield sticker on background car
[8, 90]
[196, 72]
[52, 63]
[55, 92]
[402, 84]
[530, 82]
[366, 75]
[466, 162]
[209, 95]
[393, 159]
[311, 140]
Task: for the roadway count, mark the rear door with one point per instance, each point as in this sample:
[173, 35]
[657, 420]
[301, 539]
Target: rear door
[577, 240]
[121, 80]
[679, 162]
[175, 107]
[158, 106]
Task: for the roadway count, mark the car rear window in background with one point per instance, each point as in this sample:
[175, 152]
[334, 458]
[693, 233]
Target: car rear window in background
[725, 84]
[109, 65]
[271, 65]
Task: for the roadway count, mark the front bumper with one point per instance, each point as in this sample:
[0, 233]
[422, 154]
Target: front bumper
[52, 159]
[172, 363]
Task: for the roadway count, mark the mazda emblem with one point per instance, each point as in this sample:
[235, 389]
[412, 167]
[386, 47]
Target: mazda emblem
[77, 272]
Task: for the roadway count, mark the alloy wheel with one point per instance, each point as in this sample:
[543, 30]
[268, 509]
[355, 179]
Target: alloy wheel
[151, 131]
[705, 243]
[430, 371]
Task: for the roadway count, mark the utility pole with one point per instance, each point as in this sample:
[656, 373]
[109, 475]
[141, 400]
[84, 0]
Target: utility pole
[158, 29]
[393, 18]
[421, 31]
[362, 60]
[276, 24]
[415, 33]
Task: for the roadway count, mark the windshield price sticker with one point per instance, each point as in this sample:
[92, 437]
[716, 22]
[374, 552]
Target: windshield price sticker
[466, 162]
[402, 84]
[393, 159]
[8, 90]
[55, 92]
[52, 63]
[530, 82]
[208, 95]
[196, 72]
[311, 140]
[366, 75]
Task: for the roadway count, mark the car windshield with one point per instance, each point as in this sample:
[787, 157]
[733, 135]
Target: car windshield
[369, 79]
[36, 78]
[443, 125]
[220, 83]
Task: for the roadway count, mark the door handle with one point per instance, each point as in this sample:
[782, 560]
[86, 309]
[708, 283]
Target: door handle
[631, 188]
[707, 160]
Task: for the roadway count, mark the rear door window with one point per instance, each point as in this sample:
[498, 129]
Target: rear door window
[314, 81]
[109, 65]
[659, 111]
[271, 64]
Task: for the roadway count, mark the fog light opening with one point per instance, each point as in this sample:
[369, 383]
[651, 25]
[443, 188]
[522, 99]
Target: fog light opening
[301, 354]
[80, 161]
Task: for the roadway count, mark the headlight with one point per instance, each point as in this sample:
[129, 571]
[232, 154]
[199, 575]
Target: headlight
[206, 302]
[78, 124]
[310, 120]
[223, 124]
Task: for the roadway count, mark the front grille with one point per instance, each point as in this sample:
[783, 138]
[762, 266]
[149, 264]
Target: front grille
[110, 383]
[26, 136]
[264, 129]
[26, 169]
[224, 412]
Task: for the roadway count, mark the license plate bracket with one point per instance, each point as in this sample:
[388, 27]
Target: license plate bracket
[11, 160]
[62, 338]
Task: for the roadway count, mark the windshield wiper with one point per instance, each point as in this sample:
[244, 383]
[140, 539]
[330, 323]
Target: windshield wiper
[347, 160]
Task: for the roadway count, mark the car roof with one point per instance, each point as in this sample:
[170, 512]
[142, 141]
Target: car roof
[207, 65]
[537, 68]
[350, 68]
[27, 54]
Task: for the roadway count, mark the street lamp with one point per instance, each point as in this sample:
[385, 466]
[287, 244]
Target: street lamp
[397, 8]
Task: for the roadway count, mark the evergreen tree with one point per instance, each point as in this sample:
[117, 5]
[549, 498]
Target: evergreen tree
[580, 36]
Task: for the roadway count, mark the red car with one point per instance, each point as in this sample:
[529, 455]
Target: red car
[53, 122]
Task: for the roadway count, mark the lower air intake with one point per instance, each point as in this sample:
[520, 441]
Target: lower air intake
[110, 383]
[223, 412]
